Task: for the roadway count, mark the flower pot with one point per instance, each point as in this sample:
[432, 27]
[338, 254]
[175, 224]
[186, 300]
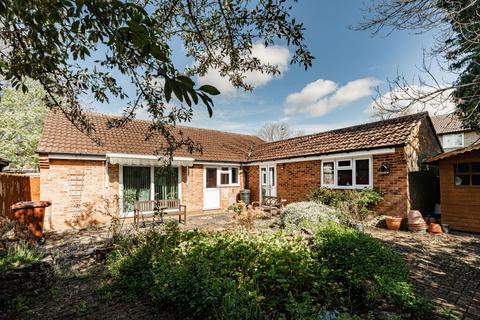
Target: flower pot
[394, 223]
[434, 228]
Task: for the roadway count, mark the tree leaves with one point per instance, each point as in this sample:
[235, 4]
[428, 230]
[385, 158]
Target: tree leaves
[52, 42]
[209, 89]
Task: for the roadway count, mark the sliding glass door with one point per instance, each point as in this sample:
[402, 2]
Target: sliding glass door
[166, 183]
[136, 186]
[148, 183]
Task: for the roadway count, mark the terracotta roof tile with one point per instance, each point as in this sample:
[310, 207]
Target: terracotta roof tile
[60, 136]
[372, 135]
[448, 123]
[453, 153]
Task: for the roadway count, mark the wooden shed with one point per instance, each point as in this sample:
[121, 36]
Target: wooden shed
[460, 187]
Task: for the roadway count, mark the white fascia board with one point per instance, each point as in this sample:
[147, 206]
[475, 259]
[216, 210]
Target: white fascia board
[339, 155]
[145, 156]
[225, 164]
[71, 156]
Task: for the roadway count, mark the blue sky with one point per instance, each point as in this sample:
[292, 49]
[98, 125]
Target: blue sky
[336, 90]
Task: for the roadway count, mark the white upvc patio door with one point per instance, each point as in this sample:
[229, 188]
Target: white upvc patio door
[268, 181]
[211, 190]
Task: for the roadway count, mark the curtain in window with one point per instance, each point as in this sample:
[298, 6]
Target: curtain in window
[136, 186]
[166, 183]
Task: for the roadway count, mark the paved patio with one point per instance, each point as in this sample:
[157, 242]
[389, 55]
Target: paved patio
[445, 268]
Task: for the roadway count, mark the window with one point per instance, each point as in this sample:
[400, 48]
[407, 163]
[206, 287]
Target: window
[136, 186]
[225, 176]
[148, 183]
[347, 173]
[264, 176]
[454, 140]
[166, 183]
[211, 177]
[362, 172]
[328, 173]
[229, 176]
[344, 173]
[467, 174]
[234, 172]
[271, 172]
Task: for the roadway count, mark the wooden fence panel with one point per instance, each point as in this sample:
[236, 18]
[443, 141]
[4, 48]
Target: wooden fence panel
[17, 187]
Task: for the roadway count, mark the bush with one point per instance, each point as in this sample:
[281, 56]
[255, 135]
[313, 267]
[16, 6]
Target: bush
[17, 255]
[269, 276]
[307, 215]
[223, 276]
[363, 271]
[356, 204]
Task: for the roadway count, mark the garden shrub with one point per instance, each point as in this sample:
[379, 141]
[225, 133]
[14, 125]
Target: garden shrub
[363, 271]
[260, 276]
[356, 204]
[307, 215]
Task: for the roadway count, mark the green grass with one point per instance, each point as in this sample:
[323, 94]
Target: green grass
[17, 255]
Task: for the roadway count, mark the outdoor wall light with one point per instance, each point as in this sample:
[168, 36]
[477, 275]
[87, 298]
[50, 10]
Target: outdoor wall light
[384, 168]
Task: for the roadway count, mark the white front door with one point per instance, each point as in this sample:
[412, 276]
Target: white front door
[211, 194]
[268, 181]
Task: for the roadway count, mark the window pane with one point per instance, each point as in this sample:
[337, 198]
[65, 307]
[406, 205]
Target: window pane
[224, 178]
[344, 177]
[476, 180]
[166, 183]
[272, 176]
[211, 178]
[328, 173]
[462, 167]
[453, 140]
[476, 167]
[224, 169]
[362, 171]
[344, 163]
[234, 175]
[136, 186]
[264, 176]
[462, 180]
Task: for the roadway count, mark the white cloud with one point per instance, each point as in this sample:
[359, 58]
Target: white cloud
[323, 96]
[409, 100]
[275, 55]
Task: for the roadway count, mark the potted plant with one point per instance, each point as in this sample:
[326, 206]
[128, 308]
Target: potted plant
[394, 223]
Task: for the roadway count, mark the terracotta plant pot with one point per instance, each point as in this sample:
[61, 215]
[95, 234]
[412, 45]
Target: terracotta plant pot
[394, 223]
[434, 228]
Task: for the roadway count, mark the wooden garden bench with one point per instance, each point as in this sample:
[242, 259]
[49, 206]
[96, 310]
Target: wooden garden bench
[272, 205]
[159, 208]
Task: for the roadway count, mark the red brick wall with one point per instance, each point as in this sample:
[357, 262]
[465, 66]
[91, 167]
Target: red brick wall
[253, 182]
[295, 180]
[394, 185]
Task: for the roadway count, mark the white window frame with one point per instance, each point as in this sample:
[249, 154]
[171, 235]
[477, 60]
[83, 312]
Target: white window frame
[354, 173]
[152, 186]
[334, 178]
[450, 135]
[228, 171]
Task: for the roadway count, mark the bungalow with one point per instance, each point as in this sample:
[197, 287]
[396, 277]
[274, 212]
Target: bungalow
[452, 133]
[75, 168]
